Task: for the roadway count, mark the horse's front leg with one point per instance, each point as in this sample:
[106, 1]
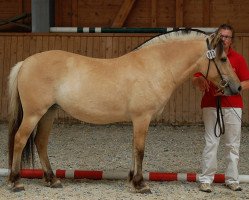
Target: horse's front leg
[140, 129]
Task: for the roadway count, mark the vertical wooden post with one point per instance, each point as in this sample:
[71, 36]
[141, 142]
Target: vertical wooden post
[42, 15]
[179, 13]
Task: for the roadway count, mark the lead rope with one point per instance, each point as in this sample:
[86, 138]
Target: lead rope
[219, 124]
[211, 54]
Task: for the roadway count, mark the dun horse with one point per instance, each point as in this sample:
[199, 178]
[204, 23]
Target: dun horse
[134, 87]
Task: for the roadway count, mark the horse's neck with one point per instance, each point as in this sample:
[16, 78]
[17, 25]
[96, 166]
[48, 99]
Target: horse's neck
[184, 61]
[183, 72]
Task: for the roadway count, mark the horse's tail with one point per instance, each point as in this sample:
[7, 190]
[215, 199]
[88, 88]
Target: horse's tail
[15, 117]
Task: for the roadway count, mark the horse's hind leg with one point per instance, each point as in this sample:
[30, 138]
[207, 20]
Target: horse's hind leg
[140, 129]
[41, 141]
[27, 126]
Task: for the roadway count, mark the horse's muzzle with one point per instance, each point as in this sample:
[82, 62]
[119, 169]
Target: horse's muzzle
[232, 88]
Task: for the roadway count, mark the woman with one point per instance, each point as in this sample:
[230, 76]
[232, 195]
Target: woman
[231, 110]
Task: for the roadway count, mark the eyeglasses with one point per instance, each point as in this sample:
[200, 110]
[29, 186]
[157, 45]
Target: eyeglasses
[226, 37]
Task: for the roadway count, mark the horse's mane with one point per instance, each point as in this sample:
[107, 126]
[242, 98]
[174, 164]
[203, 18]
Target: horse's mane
[179, 34]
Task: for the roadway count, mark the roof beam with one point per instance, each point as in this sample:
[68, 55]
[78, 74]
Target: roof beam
[123, 13]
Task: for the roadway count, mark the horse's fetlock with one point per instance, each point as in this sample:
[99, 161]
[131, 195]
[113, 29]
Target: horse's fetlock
[13, 177]
[138, 181]
[49, 175]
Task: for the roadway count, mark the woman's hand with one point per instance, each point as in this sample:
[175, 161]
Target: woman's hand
[201, 83]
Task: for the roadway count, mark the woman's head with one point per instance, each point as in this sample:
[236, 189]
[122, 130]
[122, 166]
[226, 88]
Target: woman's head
[227, 35]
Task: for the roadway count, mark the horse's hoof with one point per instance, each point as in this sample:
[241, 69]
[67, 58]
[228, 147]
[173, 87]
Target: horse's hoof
[17, 187]
[56, 184]
[144, 190]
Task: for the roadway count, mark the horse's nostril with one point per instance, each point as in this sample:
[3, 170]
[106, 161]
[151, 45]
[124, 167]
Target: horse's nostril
[239, 88]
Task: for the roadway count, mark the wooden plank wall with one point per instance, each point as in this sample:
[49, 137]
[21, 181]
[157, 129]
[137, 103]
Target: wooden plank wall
[155, 13]
[183, 107]
[143, 13]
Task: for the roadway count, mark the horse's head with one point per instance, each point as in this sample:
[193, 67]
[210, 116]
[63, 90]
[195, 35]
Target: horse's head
[219, 70]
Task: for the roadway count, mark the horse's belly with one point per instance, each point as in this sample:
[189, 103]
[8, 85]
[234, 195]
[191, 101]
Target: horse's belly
[96, 118]
[96, 112]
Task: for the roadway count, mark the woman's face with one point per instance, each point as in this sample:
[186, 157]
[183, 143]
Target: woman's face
[226, 37]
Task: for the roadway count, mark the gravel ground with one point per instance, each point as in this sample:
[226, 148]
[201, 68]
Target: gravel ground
[89, 147]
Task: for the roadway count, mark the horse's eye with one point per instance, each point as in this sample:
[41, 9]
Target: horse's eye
[223, 59]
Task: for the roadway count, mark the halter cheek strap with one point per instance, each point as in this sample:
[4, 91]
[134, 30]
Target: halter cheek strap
[211, 54]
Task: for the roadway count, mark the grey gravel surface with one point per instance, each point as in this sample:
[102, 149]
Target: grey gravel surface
[90, 147]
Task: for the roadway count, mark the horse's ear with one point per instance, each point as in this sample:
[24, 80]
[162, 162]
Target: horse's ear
[216, 43]
[219, 49]
[215, 39]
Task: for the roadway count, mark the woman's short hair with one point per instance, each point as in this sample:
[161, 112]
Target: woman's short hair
[226, 27]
